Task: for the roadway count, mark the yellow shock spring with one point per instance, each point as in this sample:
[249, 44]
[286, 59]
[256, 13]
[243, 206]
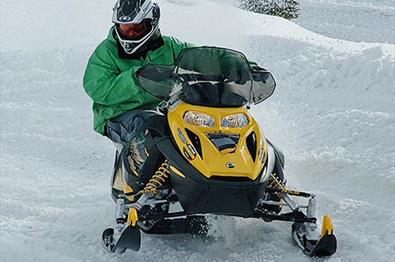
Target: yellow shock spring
[276, 184]
[158, 179]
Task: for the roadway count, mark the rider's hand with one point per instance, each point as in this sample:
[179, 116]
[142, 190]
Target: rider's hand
[259, 74]
[236, 70]
[239, 76]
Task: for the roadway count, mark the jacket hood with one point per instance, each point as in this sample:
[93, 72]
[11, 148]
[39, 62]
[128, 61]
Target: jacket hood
[111, 35]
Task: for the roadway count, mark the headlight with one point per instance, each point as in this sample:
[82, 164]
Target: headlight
[198, 119]
[234, 121]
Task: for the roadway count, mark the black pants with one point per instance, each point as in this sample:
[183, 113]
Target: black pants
[128, 130]
[128, 126]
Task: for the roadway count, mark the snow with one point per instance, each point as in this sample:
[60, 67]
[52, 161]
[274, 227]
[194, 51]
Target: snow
[354, 20]
[347, 19]
[53, 24]
[332, 114]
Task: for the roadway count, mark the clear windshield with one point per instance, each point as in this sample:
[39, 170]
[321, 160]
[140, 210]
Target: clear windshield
[208, 76]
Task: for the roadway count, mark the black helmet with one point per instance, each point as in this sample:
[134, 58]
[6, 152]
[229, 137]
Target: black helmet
[141, 13]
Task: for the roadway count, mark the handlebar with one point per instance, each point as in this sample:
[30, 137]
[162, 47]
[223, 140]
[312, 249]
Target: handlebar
[200, 77]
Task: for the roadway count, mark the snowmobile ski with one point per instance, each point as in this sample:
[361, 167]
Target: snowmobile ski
[326, 245]
[128, 238]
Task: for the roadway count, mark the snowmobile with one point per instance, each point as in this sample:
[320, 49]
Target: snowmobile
[207, 155]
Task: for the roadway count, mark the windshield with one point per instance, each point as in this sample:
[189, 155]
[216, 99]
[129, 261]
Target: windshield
[208, 76]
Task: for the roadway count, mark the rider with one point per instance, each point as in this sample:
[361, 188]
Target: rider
[120, 106]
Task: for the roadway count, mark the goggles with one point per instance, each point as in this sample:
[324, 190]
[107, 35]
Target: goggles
[134, 31]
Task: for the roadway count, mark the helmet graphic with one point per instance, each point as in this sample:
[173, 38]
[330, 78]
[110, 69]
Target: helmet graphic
[136, 22]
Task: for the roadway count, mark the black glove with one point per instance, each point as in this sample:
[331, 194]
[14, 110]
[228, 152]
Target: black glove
[156, 73]
[236, 70]
[259, 74]
[239, 76]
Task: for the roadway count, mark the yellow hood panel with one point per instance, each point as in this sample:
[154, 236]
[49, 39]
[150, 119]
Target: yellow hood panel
[235, 162]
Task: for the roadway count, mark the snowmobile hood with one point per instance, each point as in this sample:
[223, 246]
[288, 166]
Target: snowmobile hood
[215, 149]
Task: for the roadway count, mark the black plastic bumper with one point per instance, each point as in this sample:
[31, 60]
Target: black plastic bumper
[200, 195]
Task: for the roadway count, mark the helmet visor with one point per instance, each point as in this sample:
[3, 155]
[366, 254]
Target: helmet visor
[135, 31]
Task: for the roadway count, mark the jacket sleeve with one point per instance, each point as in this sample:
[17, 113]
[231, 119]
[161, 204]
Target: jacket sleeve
[178, 46]
[105, 84]
[254, 65]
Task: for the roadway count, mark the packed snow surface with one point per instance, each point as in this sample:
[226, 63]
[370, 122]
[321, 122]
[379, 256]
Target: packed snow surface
[332, 114]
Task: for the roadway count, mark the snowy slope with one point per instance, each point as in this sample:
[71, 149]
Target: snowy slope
[358, 20]
[354, 20]
[332, 114]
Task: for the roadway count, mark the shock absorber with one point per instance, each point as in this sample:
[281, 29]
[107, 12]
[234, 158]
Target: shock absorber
[160, 177]
[281, 191]
[276, 184]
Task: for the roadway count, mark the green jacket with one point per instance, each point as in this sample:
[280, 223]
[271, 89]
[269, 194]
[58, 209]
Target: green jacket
[111, 81]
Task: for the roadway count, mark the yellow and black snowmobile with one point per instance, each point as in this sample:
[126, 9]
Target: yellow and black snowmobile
[209, 156]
